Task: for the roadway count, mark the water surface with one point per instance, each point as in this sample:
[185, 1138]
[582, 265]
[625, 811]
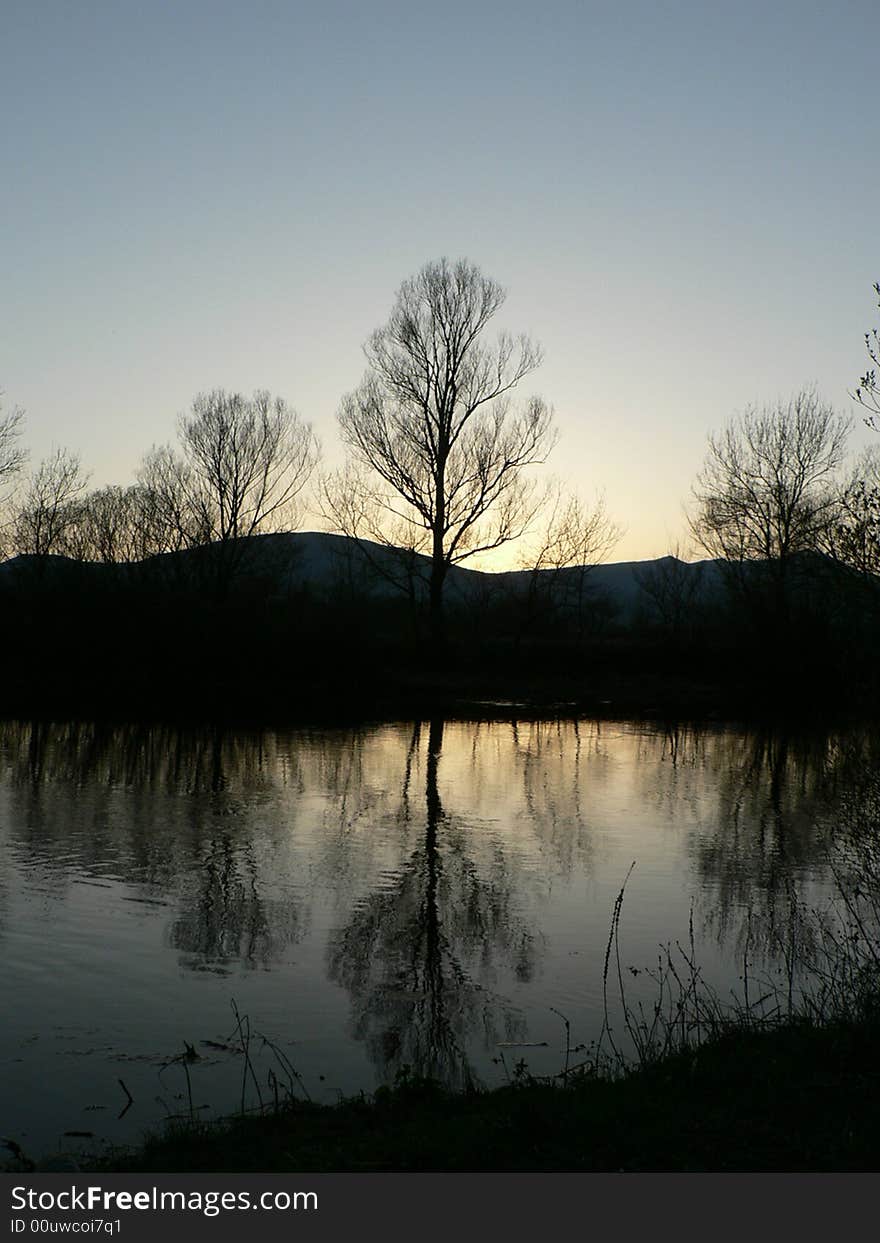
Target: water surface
[414, 895]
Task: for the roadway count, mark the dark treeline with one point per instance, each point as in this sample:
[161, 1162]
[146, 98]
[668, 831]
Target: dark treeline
[156, 636]
[183, 590]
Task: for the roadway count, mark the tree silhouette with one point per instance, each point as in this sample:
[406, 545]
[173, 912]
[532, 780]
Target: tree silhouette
[12, 455]
[49, 507]
[764, 496]
[433, 427]
[868, 390]
[242, 463]
[12, 458]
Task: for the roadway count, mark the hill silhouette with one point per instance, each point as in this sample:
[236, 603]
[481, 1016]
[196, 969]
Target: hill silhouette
[324, 564]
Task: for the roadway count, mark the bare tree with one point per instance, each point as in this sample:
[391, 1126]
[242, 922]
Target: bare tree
[12, 458]
[853, 544]
[241, 465]
[249, 458]
[574, 533]
[49, 507]
[853, 539]
[171, 515]
[765, 493]
[12, 455]
[868, 391]
[113, 525]
[574, 537]
[433, 421]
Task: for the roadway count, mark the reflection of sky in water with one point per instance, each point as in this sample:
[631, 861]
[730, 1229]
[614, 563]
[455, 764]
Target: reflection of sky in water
[394, 895]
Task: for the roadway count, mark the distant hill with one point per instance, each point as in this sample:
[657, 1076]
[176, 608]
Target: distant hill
[326, 563]
[323, 561]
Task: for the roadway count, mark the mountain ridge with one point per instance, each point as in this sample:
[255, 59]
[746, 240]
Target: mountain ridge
[322, 560]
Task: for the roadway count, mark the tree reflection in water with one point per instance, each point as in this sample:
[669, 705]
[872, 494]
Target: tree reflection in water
[412, 951]
[438, 857]
[226, 917]
[768, 853]
[183, 830]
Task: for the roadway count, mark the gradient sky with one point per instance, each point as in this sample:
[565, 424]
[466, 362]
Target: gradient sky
[681, 199]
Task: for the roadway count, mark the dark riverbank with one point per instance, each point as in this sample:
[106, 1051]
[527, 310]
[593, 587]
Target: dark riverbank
[368, 696]
[96, 641]
[612, 681]
[798, 1098]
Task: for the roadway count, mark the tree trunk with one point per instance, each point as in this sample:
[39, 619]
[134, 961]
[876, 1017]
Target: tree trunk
[437, 615]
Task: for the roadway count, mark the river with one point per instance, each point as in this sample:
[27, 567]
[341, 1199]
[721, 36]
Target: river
[407, 898]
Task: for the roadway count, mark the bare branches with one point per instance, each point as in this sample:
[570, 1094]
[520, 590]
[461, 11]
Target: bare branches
[574, 537]
[352, 503]
[116, 526]
[574, 534]
[12, 458]
[12, 455]
[48, 510]
[172, 515]
[853, 538]
[432, 419]
[247, 461]
[243, 463]
[765, 490]
[868, 392]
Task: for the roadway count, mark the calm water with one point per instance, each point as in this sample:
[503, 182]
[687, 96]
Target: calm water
[419, 895]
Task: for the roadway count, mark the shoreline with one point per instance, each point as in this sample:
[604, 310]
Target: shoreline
[798, 1096]
[355, 700]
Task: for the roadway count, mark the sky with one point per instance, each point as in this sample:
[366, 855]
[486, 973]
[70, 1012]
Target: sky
[680, 199]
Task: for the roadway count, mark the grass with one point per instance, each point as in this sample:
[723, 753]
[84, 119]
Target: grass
[800, 1097]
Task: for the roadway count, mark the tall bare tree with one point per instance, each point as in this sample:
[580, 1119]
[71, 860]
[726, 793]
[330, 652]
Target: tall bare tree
[434, 424]
[766, 492]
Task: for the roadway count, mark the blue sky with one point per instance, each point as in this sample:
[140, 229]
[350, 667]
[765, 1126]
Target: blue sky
[679, 197]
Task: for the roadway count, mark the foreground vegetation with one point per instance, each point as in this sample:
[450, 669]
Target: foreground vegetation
[801, 1097]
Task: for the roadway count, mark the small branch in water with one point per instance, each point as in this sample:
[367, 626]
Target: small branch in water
[189, 1092]
[567, 1041]
[130, 1101]
[19, 1155]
